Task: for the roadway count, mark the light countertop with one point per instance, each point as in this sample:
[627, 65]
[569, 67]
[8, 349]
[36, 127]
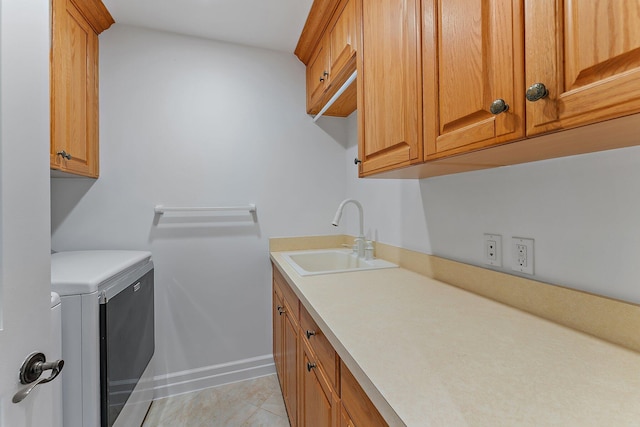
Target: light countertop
[430, 354]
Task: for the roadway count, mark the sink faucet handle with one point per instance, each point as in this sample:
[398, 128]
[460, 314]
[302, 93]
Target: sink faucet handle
[353, 247]
[368, 251]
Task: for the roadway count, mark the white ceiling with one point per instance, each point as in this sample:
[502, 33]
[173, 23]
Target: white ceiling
[271, 24]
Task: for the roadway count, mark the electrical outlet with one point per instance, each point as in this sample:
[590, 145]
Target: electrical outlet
[493, 250]
[522, 255]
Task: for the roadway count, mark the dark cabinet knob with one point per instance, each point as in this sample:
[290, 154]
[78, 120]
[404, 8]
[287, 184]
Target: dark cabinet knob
[498, 106]
[536, 92]
[64, 154]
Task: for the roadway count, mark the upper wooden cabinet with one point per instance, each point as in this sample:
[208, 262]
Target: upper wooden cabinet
[327, 47]
[389, 85]
[74, 84]
[474, 94]
[587, 56]
[448, 86]
[582, 59]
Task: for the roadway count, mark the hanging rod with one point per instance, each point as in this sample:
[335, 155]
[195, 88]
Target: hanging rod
[333, 99]
[160, 209]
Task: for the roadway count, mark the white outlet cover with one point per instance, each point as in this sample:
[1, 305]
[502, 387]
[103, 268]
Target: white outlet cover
[522, 255]
[492, 245]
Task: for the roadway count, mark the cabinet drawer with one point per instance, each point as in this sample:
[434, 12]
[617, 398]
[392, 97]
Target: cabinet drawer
[322, 348]
[284, 290]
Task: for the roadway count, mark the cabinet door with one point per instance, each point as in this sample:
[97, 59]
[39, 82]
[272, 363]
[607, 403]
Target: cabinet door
[317, 77]
[360, 410]
[290, 365]
[278, 325]
[587, 54]
[318, 402]
[389, 85]
[342, 37]
[345, 420]
[472, 60]
[74, 91]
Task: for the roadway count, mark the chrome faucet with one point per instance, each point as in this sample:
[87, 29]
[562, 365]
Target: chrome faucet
[359, 243]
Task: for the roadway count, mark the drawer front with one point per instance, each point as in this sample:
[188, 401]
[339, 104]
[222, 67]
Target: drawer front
[321, 347]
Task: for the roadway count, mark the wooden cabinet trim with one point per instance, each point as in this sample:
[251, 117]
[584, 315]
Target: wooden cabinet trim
[317, 21]
[96, 14]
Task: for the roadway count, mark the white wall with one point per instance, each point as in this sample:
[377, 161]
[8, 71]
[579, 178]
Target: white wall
[191, 122]
[582, 211]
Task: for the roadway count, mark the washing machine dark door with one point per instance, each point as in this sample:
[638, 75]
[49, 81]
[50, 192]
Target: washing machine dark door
[126, 344]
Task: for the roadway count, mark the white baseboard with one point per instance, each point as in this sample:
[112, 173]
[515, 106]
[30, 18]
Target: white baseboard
[212, 376]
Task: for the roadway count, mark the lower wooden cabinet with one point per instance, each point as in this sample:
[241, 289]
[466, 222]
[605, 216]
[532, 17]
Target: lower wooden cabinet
[311, 375]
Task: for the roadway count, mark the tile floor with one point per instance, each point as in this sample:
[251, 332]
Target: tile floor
[252, 403]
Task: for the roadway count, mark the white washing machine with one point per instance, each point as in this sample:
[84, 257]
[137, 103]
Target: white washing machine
[107, 336]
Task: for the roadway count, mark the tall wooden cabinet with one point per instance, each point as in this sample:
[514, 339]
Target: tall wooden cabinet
[587, 56]
[389, 85]
[473, 74]
[74, 84]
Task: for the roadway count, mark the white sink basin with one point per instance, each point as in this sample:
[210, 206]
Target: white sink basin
[325, 261]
